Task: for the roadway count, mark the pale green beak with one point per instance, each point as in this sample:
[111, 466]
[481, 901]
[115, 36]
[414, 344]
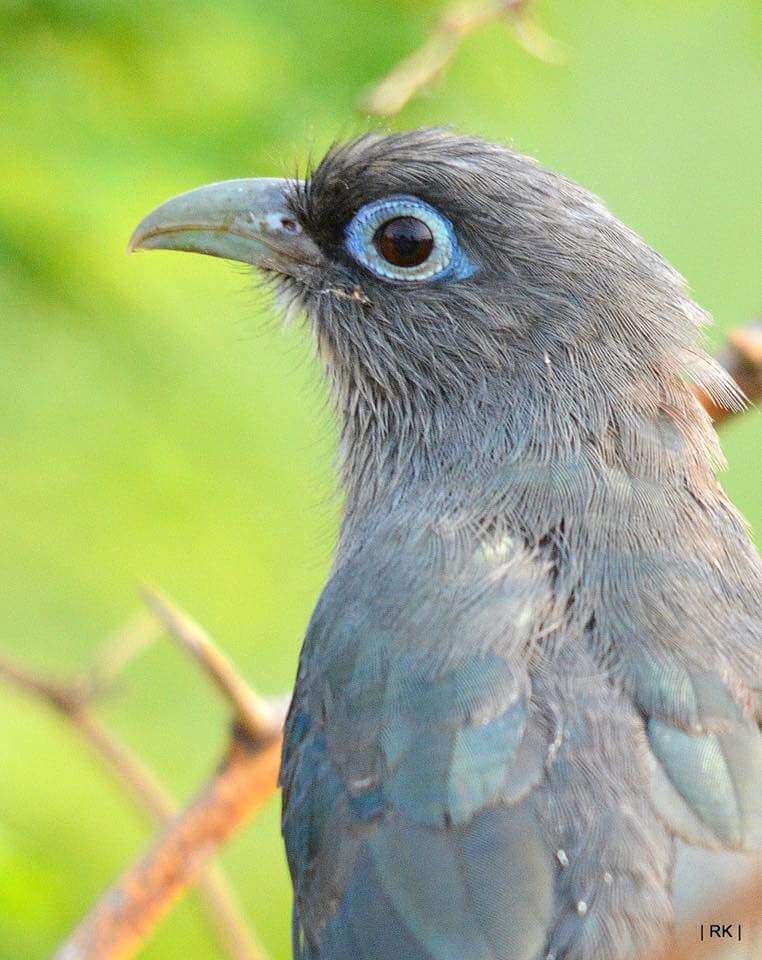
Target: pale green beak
[246, 220]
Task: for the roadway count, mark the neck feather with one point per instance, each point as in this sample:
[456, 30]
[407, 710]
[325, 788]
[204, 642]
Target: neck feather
[526, 450]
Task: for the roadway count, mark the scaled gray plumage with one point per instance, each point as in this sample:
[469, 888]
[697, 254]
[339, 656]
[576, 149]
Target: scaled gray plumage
[530, 685]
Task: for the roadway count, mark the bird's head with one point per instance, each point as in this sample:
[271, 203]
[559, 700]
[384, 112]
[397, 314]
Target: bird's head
[452, 281]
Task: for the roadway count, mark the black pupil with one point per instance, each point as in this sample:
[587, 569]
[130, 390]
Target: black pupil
[404, 241]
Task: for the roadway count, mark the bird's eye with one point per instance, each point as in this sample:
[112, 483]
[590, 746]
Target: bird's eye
[404, 241]
[403, 238]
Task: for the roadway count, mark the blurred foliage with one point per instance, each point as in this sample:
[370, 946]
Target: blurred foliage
[157, 423]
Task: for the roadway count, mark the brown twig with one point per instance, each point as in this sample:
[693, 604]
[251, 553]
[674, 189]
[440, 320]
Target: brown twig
[425, 65]
[124, 917]
[217, 896]
[252, 711]
[109, 663]
[116, 653]
[70, 701]
[742, 358]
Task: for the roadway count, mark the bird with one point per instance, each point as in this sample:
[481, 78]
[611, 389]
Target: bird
[526, 712]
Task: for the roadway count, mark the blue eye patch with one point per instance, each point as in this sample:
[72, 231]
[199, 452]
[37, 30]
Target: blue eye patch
[403, 238]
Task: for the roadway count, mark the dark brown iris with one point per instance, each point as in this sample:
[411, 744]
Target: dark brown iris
[404, 241]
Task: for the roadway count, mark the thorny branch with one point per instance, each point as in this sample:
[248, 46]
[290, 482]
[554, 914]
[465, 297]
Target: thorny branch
[254, 714]
[125, 916]
[418, 71]
[72, 701]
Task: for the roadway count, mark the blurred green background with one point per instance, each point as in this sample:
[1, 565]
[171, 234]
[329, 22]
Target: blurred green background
[157, 423]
